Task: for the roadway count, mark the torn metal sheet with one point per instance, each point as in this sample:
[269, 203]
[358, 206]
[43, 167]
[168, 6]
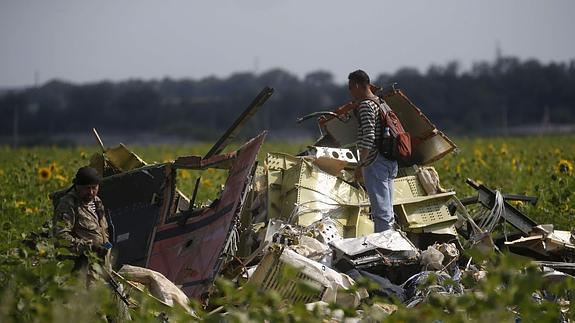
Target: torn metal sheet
[308, 192]
[116, 160]
[544, 243]
[332, 160]
[428, 143]
[300, 192]
[386, 289]
[566, 267]
[190, 255]
[388, 248]
[134, 212]
[196, 162]
[234, 129]
[324, 283]
[326, 230]
[124, 159]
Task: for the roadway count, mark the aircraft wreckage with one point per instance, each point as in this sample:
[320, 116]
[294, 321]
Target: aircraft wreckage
[307, 212]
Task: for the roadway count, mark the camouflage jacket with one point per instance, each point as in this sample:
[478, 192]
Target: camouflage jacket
[75, 223]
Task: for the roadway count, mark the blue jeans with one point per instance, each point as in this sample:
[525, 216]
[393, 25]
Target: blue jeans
[378, 178]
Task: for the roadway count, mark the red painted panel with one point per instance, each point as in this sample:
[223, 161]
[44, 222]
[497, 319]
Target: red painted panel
[189, 254]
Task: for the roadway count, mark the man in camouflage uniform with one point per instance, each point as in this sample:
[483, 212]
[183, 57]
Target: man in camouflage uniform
[80, 222]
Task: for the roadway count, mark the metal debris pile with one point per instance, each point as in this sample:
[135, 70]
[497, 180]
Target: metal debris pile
[307, 212]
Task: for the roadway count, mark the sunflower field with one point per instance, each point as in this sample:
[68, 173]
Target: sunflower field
[35, 286]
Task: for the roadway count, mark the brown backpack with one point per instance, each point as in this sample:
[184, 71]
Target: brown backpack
[398, 146]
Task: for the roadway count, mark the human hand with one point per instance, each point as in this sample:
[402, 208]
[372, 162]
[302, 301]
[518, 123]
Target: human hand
[100, 250]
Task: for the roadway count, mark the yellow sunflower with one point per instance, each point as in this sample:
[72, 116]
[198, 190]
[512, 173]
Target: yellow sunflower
[565, 167]
[44, 173]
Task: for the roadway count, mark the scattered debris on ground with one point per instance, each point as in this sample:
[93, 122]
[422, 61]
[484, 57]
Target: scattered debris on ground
[306, 211]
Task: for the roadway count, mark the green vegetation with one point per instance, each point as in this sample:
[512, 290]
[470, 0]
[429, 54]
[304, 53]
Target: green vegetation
[35, 284]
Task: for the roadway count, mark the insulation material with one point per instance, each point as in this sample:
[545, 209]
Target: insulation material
[158, 285]
[429, 179]
[432, 259]
[313, 249]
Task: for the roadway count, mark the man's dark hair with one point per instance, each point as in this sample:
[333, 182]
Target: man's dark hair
[358, 77]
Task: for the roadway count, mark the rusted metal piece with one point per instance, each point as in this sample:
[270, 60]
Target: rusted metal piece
[190, 255]
[197, 162]
[231, 133]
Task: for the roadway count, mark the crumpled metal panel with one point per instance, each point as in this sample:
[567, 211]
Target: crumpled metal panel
[300, 192]
[545, 243]
[428, 143]
[388, 247]
[124, 159]
[389, 240]
[276, 164]
[240, 122]
[134, 212]
[190, 254]
[327, 284]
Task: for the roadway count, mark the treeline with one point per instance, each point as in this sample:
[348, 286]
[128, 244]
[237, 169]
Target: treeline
[489, 96]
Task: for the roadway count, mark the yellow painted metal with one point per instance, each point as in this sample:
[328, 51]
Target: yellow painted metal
[300, 192]
[312, 190]
[276, 164]
[123, 159]
[415, 209]
[422, 213]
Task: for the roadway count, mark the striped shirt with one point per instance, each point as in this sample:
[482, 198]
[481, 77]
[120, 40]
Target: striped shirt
[369, 130]
[92, 207]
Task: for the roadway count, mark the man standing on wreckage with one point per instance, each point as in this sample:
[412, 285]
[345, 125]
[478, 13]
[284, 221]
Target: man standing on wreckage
[378, 172]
